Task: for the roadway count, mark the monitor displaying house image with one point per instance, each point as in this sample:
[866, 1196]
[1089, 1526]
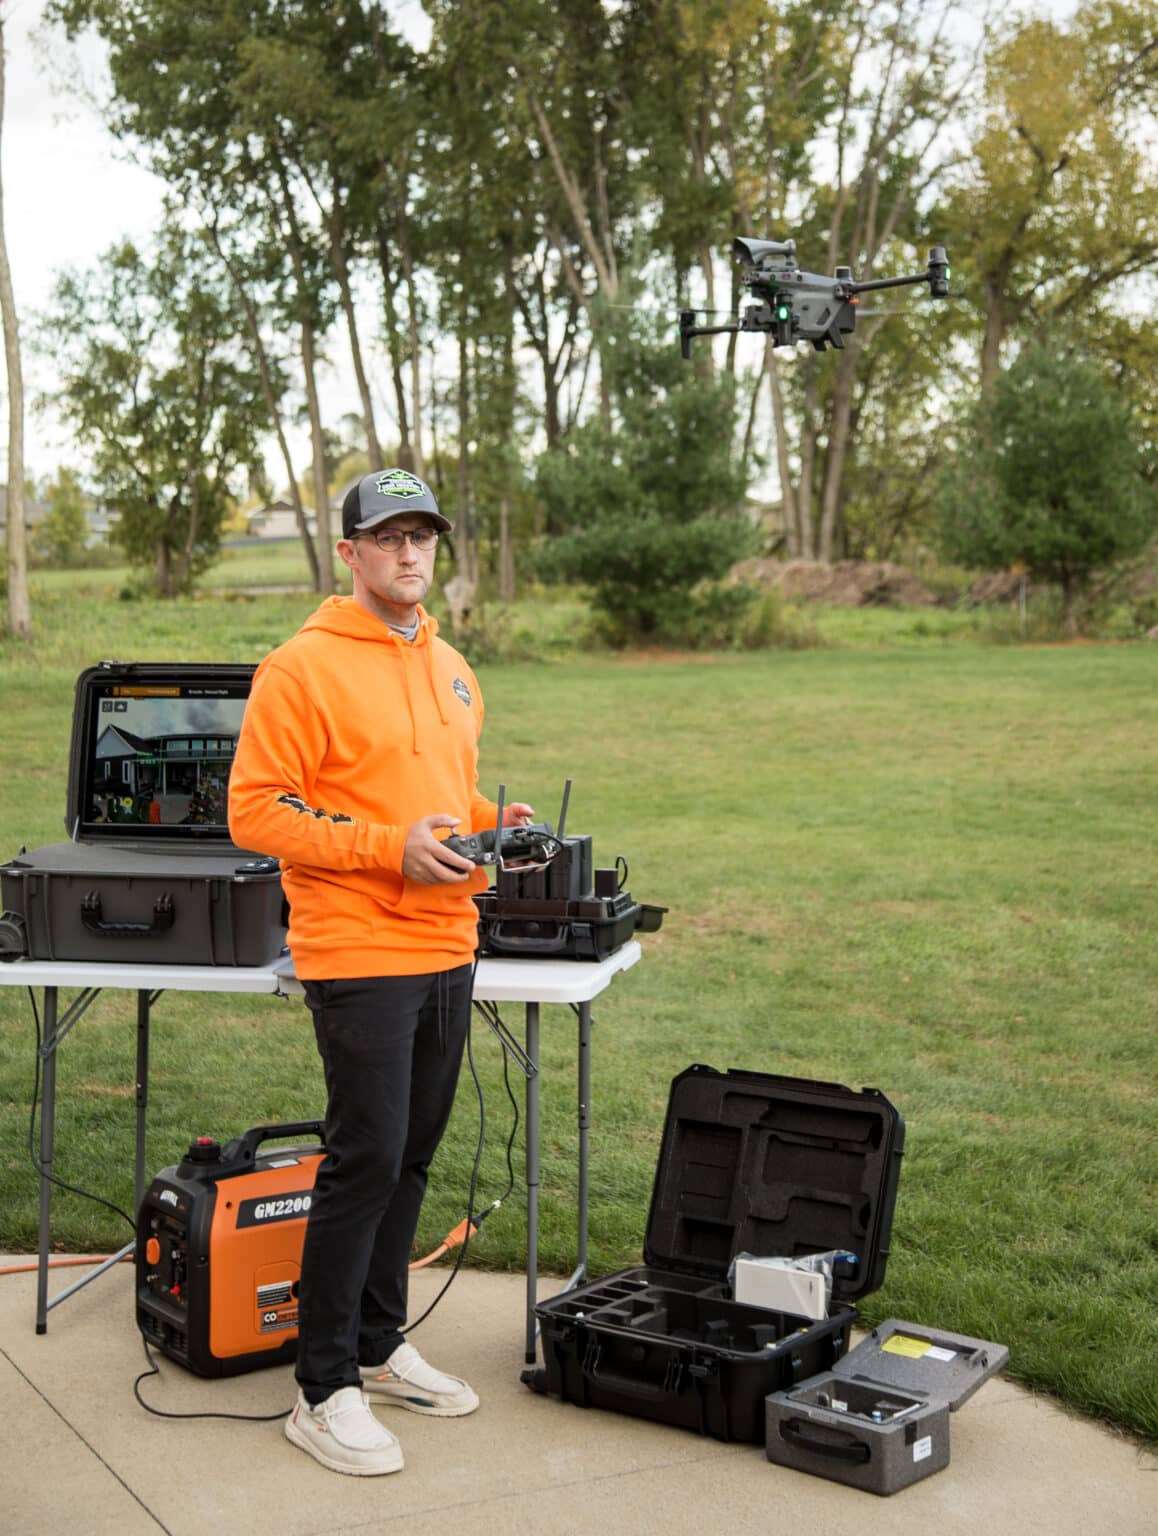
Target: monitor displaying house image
[159, 755]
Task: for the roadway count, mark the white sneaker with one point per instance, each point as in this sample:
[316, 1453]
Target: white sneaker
[407, 1380]
[344, 1435]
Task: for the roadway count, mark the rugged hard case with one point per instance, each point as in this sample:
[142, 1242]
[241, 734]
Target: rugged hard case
[138, 891]
[749, 1163]
[879, 1420]
[219, 1246]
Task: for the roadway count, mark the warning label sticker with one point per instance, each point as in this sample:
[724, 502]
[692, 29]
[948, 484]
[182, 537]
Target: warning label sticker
[904, 1344]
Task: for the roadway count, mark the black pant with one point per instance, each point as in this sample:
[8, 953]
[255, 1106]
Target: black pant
[391, 1047]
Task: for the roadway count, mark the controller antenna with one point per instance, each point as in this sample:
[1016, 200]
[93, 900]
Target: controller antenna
[563, 810]
[499, 827]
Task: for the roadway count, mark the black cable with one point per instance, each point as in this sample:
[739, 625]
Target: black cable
[164, 1413]
[490, 1012]
[32, 1157]
[514, 1125]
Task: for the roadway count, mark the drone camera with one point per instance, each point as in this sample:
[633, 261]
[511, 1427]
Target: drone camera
[938, 272]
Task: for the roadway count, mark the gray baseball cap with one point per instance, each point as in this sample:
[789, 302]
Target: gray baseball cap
[388, 493]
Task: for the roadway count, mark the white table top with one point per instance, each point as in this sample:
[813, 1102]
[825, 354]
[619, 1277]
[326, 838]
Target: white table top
[499, 981]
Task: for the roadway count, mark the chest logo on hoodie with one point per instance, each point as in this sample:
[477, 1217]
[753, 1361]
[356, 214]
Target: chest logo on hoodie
[462, 690]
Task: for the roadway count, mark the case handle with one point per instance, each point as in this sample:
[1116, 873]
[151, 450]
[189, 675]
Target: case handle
[633, 1386]
[528, 944]
[244, 1148]
[795, 1432]
[92, 918]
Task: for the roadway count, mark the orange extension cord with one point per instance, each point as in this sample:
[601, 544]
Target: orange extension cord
[453, 1239]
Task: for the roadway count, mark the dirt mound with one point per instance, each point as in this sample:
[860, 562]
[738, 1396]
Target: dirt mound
[997, 587]
[846, 584]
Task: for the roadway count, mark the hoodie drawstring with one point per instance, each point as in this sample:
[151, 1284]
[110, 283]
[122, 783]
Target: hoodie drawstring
[433, 686]
[429, 649]
[410, 705]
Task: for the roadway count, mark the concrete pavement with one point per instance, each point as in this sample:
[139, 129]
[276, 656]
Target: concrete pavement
[79, 1456]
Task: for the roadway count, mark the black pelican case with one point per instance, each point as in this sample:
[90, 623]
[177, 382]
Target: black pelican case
[750, 1163]
[149, 875]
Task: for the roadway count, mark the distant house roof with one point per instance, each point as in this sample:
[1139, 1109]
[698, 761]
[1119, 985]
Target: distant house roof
[277, 519]
[34, 511]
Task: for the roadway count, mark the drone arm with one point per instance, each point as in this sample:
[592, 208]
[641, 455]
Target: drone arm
[689, 329]
[888, 282]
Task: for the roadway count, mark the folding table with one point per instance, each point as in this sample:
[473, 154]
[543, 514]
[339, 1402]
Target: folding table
[529, 982]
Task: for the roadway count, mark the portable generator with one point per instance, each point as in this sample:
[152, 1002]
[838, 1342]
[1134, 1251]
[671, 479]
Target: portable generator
[219, 1247]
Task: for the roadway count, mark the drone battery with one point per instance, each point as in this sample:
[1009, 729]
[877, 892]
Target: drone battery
[219, 1243]
[567, 876]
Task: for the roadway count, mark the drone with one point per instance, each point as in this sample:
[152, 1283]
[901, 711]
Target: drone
[803, 306]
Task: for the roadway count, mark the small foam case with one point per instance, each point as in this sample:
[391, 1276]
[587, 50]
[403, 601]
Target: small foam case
[879, 1419]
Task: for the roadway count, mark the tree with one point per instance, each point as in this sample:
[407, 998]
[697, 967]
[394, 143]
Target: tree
[19, 607]
[1057, 207]
[62, 537]
[155, 385]
[654, 505]
[1049, 473]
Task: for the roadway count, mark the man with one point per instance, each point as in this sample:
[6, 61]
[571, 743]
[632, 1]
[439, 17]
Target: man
[359, 745]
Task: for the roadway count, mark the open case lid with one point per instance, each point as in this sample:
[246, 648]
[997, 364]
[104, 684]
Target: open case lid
[775, 1166]
[152, 749]
[943, 1367]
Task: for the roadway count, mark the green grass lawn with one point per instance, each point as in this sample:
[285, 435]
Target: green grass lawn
[922, 866]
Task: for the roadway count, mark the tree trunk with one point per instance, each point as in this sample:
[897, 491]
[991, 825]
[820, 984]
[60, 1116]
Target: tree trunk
[506, 553]
[180, 569]
[318, 447]
[271, 405]
[163, 571]
[405, 450]
[342, 273]
[780, 426]
[468, 549]
[994, 334]
[313, 405]
[19, 605]
[415, 341]
[807, 461]
[838, 440]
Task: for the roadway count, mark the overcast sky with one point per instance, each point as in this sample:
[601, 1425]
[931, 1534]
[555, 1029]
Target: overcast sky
[67, 196]
[70, 192]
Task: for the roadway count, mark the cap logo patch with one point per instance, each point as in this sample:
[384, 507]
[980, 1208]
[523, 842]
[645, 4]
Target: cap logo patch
[399, 482]
[462, 690]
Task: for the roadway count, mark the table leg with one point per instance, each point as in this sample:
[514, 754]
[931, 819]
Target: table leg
[580, 1274]
[532, 1032]
[142, 1093]
[47, 1134]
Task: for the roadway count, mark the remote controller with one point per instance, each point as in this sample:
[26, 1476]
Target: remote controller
[535, 840]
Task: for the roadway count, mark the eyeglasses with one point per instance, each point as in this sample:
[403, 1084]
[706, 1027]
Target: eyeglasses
[392, 539]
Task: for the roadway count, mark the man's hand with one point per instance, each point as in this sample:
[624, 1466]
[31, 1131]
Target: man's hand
[427, 860]
[517, 814]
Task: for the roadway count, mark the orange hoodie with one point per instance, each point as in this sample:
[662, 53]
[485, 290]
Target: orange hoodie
[352, 733]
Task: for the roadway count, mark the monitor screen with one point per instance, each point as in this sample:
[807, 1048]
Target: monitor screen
[157, 755]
